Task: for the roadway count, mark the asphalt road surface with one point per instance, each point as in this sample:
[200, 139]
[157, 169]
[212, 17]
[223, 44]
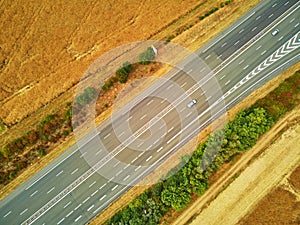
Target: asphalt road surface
[84, 180]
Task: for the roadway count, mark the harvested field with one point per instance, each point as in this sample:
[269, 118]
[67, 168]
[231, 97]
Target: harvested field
[280, 206]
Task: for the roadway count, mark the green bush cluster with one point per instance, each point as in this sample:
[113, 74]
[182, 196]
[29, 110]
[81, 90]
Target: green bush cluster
[121, 75]
[169, 38]
[146, 57]
[192, 174]
[123, 72]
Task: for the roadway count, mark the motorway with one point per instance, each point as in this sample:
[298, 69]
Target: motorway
[84, 180]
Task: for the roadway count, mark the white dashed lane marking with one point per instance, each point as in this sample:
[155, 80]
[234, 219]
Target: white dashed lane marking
[34, 193]
[102, 197]
[78, 218]
[67, 205]
[69, 213]
[23, 212]
[149, 158]
[7, 214]
[74, 171]
[61, 221]
[107, 136]
[59, 173]
[78, 206]
[92, 184]
[50, 190]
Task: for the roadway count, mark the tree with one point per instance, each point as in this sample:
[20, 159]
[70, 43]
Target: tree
[123, 72]
[122, 75]
[176, 197]
[146, 57]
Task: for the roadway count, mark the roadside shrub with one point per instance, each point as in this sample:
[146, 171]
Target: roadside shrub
[227, 2]
[123, 72]
[104, 87]
[146, 57]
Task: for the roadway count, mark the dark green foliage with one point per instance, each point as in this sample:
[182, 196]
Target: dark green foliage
[191, 175]
[122, 75]
[176, 197]
[214, 9]
[201, 17]
[123, 72]
[169, 38]
[211, 11]
[228, 2]
[68, 114]
[104, 87]
[48, 119]
[41, 152]
[128, 66]
[243, 132]
[142, 210]
[146, 57]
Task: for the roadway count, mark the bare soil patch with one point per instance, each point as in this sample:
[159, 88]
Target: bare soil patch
[295, 178]
[278, 207]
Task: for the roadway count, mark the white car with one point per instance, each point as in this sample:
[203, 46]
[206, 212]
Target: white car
[275, 32]
[193, 102]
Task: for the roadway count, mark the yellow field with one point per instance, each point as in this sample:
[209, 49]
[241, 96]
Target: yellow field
[46, 46]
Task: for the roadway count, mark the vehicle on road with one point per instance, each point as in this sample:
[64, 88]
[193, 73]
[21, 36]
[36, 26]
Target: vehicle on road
[275, 32]
[193, 102]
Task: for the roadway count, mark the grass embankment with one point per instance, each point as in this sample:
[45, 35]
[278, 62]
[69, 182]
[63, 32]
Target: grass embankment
[239, 135]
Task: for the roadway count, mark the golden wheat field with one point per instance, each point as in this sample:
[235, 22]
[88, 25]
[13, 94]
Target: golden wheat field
[46, 46]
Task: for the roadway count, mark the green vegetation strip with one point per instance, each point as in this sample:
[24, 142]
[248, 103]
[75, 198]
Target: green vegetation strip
[239, 135]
